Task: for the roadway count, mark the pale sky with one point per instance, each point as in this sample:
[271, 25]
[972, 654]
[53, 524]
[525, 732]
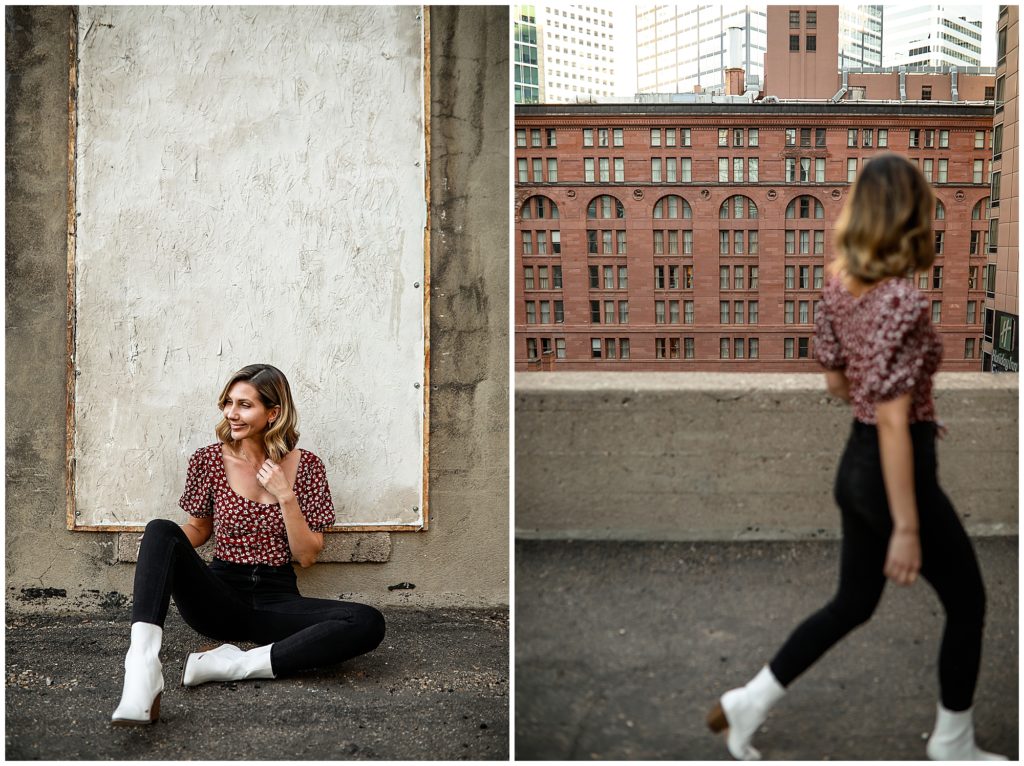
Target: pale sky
[625, 39]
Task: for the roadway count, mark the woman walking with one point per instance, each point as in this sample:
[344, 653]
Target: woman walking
[265, 502]
[875, 339]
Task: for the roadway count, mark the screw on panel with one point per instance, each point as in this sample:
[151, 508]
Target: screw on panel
[415, 385]
[416, 508]
[415, 284]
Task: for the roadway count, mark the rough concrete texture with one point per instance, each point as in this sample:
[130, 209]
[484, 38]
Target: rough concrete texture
[701, 456]
[622, 648]
[436, 688]
[375, 547]
[463, 558]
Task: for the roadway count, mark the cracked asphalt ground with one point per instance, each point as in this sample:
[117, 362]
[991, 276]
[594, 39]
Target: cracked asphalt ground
[436, 688]
[621, 649]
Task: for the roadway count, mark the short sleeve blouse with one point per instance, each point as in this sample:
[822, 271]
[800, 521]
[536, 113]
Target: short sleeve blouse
[884, 341]
[247, 532]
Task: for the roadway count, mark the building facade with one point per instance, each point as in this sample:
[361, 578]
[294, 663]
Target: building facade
[696, 236]
[932, 35]
[526, 79]
[860, 36]
[1001, 339]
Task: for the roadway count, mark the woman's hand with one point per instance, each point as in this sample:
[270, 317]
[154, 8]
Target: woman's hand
[903, 561]
[272, 477]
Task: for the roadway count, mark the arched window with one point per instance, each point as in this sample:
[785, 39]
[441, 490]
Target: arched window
[738, 206]
[982, 209]
[940, 210]
[605, 206]
[672, 206]
[538, 207]
[805, 207]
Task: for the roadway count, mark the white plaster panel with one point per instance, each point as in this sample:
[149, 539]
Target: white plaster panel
[249, 189]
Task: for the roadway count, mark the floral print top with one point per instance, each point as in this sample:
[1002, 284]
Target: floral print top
[885, 342]
[247, 532]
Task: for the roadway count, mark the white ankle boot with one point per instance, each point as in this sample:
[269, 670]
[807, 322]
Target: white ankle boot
[743, 710]
[953, 738]
[227, 663]
[143, 678]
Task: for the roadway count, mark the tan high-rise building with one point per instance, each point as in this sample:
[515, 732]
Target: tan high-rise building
[1001, 280]
[803, 51]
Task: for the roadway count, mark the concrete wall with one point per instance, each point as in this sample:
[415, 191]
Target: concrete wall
[463, 558]
[701, 456]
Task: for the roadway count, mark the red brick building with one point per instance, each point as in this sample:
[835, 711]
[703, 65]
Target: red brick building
[695, 236]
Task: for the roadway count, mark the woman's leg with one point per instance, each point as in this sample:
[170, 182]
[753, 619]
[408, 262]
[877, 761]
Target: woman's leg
[950, 566]
[309, 633]
[169, 565]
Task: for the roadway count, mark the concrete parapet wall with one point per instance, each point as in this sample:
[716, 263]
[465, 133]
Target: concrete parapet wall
[706, 456]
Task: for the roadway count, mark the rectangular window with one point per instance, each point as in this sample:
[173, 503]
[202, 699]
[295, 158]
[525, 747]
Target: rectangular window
[926, 92]
[535, 138]
[617, 137]
[542, 243]
[521, 137]
[851, 169]
[976, 242]
[805, 137]
[972, 312]
[595, 348]
[588, 136]
[623, 278]
[805, 169]
[673, 312]
[805, 308]
[528, 278]
[790, 242]
[819, 277]
[552, 170]
[752, 242]
[819, 243]
[655, 136]
[978, 170]
[752, 312]
[609, 312]
[684, 136]
[595, 277]
[752, 137]
[972, 277]
[542, 277]
[595, 312]
[737, 169]
[723, 348]
[556, 242]
[531, 348]
[531, 312]
[673, 348]
[737, 243]
[670, 170]
[723, 136]
[527, 243]
[926, 170]
[794, 19]
[723, 312]
[623, 312]
[805, 243]
[545, 312]
[788, 315]
[737, 136]
[851, 137]
[752, 170]
[737, 348]
[524, 172]
[723, 170]
[994, 191]
[685, 169]
[922, 281]
[624, 348]
[752, 345]
[997, 141]
[802, 347]
[602, 137]
[805, 277]
[723, 277]
[656, 170]
[787, 348]
[659, 277]
[811, 43]
[659, 243]
[915, 138]
[688, 312]
[588, 169]
[620, 170]
[560, 348]
[559, 312]
[943, 139]
[737, 312]
[819, 170]
[939, 237]
[659, 312]
[868, 135]
[790, 136]
[968, 348]
[609, 277]
[819, 137]
[687, 277]
[883, 138]
[609, 348]
[620, 242]
[737, 277]
[670, 136]
[979, 139]
[552, 142]
[936, 312]
[929, 139]
[603, 170]
[723, 243]
[688, 348]
[812, 19]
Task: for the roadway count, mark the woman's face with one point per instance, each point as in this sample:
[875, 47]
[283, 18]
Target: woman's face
[244, 411]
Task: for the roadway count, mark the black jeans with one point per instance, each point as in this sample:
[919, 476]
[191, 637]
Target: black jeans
[947, 563]
[244, 602]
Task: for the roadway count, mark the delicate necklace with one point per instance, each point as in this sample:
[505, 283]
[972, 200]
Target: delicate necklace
[241, 454]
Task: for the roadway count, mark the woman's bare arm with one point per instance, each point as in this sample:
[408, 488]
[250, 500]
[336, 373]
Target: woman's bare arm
[304, 543]
[838, 385]
[903, 561]
[198, 531]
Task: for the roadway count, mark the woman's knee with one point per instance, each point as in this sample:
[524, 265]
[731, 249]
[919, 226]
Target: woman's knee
[160, 528]
[852, 613]
[373, 626]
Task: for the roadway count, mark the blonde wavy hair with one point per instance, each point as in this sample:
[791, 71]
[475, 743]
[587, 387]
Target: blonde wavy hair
[885, 229]
[272, 386]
